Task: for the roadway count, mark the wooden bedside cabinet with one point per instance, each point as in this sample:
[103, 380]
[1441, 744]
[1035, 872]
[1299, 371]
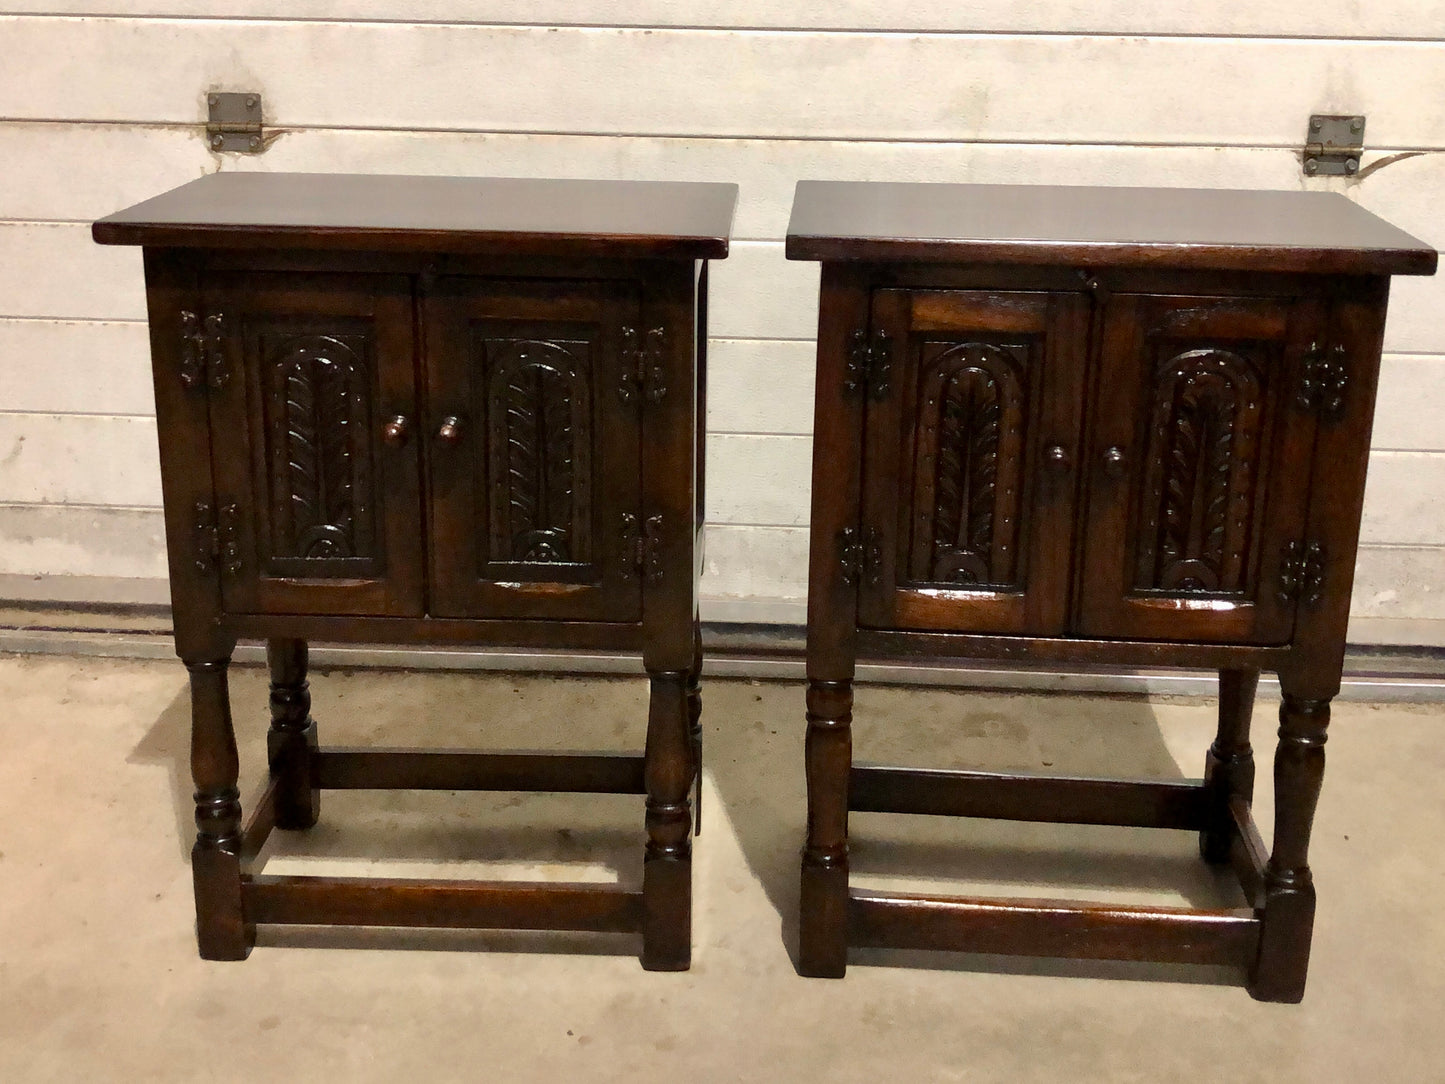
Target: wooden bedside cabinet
[1081, 425]
[421, 410]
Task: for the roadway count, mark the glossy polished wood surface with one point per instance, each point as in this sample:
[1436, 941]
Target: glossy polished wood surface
[1098, 227]
[323, 415]
[1102, 426]
[673, 219]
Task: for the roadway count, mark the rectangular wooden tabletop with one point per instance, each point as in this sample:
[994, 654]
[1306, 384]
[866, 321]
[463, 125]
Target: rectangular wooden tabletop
[643, 219]
[1216, 229]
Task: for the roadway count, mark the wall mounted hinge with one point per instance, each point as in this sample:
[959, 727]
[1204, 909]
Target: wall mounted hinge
[1333, 144]
[203, 361]
[1323, 380]
[644, 372]
[869, 364]
[860, 555]
[1302, 573]
[642, 548]
[207, 543]
[233, 122]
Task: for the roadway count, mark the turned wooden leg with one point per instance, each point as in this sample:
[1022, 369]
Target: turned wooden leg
[221, 927]
[1289, 891]
[291, 743]
[823, 923]
[667, 868]
[1229, 765]
[694, 720]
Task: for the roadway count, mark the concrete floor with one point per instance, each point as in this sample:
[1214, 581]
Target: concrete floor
[99, 978]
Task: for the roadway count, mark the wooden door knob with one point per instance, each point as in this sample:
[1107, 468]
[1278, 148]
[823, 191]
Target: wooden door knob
[397, 431]
[450, 432]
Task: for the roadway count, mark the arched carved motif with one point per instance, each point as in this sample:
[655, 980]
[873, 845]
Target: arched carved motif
[538, 406]
[322, 494]
[967, 467]
[1201, 474]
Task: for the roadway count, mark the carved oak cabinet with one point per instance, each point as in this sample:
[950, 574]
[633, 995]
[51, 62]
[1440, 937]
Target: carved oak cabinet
[1121, 426]
[431, 410]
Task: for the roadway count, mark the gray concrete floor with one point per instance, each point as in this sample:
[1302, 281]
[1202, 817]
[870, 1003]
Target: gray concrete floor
[99, 978]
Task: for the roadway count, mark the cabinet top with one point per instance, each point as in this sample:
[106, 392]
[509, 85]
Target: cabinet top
[1187, 228]
[490, 215]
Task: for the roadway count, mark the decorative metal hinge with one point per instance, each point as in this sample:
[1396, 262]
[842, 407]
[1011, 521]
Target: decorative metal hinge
[860, 555]
[1302, 573]
[208, 546]
[1323, 383]
[229, 546]
[1333, 145]
[644, 372]
[642, 549]
[203, 360]
[233, 122]
[869, 364]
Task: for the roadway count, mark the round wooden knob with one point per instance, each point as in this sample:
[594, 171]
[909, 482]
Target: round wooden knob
[1056, 458]
[450, 432]
[397, 431]
[1114, 461]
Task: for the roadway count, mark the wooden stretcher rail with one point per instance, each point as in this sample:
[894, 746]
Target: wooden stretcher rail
[1247, 853]
[447, 769]
[1052, 928]
[480, 905]
[1024, 797]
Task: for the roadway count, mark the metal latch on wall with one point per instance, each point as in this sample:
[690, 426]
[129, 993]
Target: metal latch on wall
[233, 122]
[1333, 145]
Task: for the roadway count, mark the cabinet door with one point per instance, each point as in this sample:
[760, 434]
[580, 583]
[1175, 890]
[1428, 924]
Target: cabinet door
[970, 445]
[1200, 468]
[535, 464]
[317, 511]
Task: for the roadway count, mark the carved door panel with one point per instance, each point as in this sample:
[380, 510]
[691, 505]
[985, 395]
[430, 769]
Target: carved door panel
[317, 482]
[972, 423]
[1200, 468]
[535, 464]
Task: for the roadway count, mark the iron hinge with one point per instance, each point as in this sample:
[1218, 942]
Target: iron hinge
[228, 540]
[644, 372]
[1333, 145]
[207, 546]
[1302, 573]
[869, 364]
[233, 122]
[860, 555]
[642, 548]
[203, 360]
[1323, 381]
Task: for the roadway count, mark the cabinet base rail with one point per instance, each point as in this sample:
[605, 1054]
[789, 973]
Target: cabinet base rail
[1061, 928]
[451, 904]
[1018, 796]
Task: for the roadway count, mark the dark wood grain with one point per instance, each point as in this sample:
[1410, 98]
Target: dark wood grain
[412, 411]
[1098, 227]
[1102, 427]
[1023, 797]
[1053, 928]
[675, 220]
[477, 905]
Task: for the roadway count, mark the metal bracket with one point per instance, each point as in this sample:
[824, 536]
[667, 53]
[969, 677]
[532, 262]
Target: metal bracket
[1333, 145]
[642, 548]
[233, 122]
[644, 372]
[860, 556]
[202, 358]
[1323, 381]
[869, 364]
[1302, 573]
[207, 546]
